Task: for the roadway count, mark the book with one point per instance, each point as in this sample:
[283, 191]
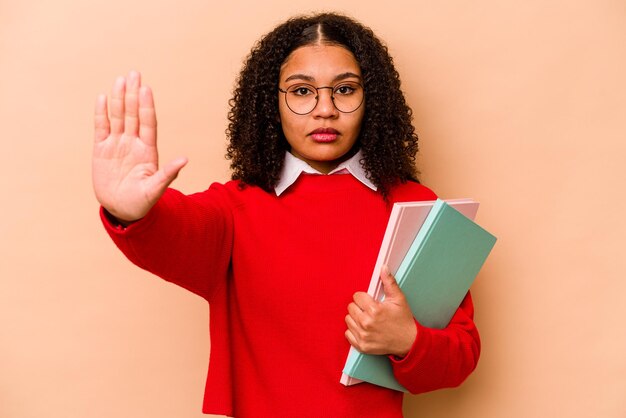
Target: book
[405, 220]
[435, 273]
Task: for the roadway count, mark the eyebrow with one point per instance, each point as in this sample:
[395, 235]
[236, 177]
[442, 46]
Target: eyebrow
[311, 79]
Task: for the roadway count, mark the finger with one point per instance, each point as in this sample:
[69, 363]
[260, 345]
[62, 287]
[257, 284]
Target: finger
[357, 342]
[102, 127]
[351, 324]
[390, 286]
[350, 337]
[363, 301]
[131, 104]
[359, 324]
[147, 116]
[117, 106]
[354, 311]
[354, 331]
[166, 175]
[172, 168]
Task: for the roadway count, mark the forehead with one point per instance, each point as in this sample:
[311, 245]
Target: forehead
[319, 62]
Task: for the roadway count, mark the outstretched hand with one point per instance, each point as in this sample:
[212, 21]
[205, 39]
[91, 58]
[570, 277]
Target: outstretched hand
[127, 180]
[385, 327]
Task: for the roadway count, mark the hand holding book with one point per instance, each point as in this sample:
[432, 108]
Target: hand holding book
[381, 327]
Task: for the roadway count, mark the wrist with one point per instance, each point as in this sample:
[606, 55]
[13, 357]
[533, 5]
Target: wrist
[114, 220]
[407, 343]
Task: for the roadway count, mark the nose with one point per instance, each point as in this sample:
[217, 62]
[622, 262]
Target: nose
[325, 108]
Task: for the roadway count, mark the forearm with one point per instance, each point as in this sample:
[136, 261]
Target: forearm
[183, 239]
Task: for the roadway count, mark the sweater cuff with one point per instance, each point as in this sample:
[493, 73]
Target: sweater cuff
[418, 349]
[113, 227]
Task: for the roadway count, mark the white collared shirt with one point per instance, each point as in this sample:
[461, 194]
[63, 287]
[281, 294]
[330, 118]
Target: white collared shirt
[293, 167]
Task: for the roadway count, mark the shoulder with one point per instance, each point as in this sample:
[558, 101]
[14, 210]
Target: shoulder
[231, 188]
[217, 194]
[411, 191]
[235, 193]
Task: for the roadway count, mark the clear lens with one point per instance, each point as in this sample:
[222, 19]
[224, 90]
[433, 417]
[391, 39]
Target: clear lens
[302, 98]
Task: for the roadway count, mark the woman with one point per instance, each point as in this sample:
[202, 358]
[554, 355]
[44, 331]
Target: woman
[321, 145]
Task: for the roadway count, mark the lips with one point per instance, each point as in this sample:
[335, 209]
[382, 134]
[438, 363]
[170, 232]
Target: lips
[324, 134]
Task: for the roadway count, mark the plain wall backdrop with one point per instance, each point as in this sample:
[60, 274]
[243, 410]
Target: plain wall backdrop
[521, 105]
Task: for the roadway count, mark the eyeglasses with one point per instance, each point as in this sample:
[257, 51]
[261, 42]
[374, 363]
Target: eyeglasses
[301, 98]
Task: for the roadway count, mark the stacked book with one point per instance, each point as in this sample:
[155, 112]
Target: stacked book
[435, 250]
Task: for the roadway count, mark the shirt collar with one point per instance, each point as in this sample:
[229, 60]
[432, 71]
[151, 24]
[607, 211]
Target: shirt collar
[293, 167]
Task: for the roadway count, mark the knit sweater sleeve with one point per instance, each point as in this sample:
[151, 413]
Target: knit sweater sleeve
[186, 240]
[441, 358]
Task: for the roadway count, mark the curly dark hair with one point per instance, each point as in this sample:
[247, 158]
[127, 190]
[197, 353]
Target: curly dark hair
[257, 144]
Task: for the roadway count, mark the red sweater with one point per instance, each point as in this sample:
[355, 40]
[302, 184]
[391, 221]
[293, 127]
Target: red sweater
[279, 273]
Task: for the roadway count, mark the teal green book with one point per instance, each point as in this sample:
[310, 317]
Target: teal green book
[435, 275]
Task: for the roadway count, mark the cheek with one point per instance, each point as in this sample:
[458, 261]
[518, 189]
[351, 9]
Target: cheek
[281, 110]
[283, 117]
[357, 123]
[290, 122]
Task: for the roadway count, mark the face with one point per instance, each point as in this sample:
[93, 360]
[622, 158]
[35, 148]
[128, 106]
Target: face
[324, 137]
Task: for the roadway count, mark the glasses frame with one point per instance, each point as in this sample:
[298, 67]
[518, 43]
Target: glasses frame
[332, 96]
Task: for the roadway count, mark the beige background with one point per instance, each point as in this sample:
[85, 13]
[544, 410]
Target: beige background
[520, 105]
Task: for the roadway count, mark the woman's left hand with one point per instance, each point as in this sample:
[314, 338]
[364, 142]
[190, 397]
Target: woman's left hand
[385, 327]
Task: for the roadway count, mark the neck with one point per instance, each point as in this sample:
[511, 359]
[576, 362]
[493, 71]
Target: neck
[326, 167]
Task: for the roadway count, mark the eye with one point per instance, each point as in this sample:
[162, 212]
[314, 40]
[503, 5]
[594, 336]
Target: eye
[302, 90]
[346, 89]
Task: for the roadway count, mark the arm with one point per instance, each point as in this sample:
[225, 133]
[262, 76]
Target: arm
[423, 359]
[180, 238]
[183, 239]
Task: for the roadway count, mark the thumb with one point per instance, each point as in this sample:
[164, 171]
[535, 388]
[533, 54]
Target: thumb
[171, 170]
[165, 176]
[390, 286]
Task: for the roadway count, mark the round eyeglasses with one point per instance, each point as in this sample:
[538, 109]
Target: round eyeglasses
[301, 99]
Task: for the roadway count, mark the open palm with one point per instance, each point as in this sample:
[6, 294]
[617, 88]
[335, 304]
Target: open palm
[127, 180]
